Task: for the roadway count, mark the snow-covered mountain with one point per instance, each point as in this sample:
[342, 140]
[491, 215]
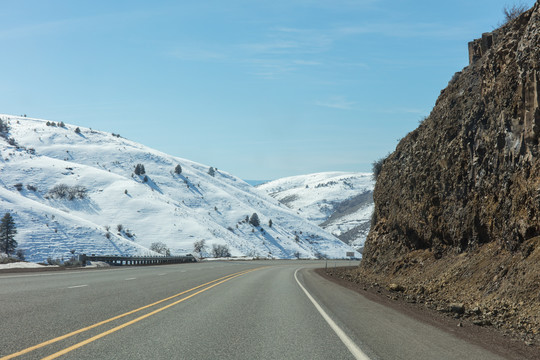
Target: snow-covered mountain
[340, 202]
[75, 189]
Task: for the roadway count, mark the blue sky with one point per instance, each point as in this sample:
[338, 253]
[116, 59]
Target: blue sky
[262, 89]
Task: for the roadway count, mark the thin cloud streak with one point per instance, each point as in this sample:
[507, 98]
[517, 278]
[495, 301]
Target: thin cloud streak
[193, 54]
[337, 102]
[406, 30]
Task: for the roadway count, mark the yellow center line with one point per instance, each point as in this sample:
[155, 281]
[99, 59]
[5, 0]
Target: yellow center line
[52, 341]
[119, 327]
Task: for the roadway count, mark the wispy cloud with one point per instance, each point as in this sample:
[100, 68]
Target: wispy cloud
[405, 111]
[307, 62]
[36, 29]
[197, 54]
[332, 4]
[405, 30]
[291, 41]
[285, 50]
[336, 102]
[63, 25]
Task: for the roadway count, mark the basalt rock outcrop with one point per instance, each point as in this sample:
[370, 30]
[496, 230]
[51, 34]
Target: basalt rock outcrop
[465, 185]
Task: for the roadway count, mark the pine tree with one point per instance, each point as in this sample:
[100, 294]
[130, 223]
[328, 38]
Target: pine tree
[7, 234]
[139, 169]
[211, 171]
[270, 223]
[178, 169]
[3, 127]
[254, 220]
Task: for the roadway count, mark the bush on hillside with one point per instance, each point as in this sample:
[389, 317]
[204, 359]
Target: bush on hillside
[31, 187]
[513, 12]
[160, 248]
[377, 167]
[63, 191]
[3, 128]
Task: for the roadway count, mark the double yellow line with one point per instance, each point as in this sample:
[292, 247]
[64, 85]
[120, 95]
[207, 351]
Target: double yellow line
[205, 287]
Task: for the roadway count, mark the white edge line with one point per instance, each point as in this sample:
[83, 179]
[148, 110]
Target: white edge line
[347, 341]
[76, 286]
[56, 273]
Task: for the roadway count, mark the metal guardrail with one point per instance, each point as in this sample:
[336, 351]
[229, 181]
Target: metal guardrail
[137, 260]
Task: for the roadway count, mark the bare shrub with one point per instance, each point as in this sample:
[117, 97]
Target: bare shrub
[377, 165]
[31, 188]
[199, 247]
[63, 191]
[220, 251]
[161, 248]
[513, 12]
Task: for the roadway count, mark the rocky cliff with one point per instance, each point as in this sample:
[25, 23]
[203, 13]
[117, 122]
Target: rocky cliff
[457, 205]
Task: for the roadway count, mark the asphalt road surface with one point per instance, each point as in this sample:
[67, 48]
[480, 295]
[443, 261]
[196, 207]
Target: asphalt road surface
[209, 310]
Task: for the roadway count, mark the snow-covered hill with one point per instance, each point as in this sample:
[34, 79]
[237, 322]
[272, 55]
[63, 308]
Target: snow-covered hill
[115, 211]
[340, 202]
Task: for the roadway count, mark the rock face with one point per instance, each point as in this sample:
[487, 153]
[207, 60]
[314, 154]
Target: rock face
[466, 183]
[470, 173]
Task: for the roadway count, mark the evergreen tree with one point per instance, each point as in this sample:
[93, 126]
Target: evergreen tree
[3, 127]
[270, 223]
[254, 220]
[78, 130]
[211, 171]
[139, 169]
[7, 234]
[178, 169]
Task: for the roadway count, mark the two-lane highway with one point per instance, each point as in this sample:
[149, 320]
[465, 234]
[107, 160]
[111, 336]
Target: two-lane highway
[212, 310]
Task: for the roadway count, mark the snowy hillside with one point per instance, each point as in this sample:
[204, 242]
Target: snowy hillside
[114, 211]
[340, 202]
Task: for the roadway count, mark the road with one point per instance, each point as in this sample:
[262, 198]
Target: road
[209, 310]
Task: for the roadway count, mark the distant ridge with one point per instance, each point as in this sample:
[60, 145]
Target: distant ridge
[256, 182]
[339, 202]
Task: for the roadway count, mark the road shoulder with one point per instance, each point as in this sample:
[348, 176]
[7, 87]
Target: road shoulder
[485, 337]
